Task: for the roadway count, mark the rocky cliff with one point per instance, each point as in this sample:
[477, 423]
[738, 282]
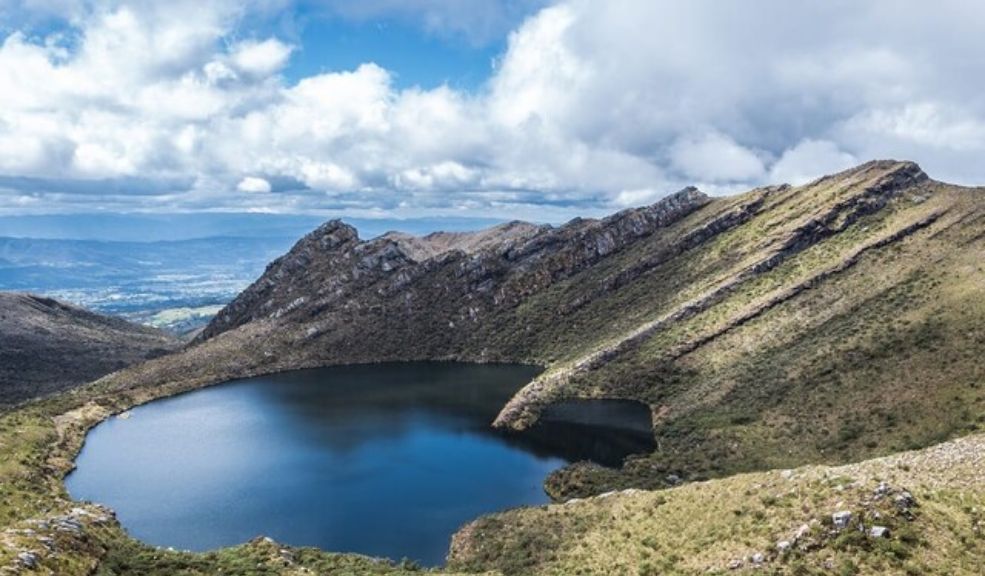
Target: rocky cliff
[783, 326]
[47, 346]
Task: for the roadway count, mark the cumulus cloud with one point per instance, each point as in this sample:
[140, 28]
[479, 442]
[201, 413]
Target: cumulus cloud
[809, 159]
[593, 105]
[260, 58]
[254, 185]
[715, 157]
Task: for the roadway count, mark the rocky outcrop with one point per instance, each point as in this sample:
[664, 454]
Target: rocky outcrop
[331, 271]
[47, 346]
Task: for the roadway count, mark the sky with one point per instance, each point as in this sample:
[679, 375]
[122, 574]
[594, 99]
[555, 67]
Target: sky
[531, 109]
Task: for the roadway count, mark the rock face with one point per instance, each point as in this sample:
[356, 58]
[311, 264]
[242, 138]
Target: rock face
[432, 291]
[838, 320]
[47, 346]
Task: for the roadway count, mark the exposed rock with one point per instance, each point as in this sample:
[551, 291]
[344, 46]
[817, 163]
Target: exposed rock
[28, 560]
[801, 532]
[490, 269]
[904, 500]
[842, 519]
[879, 532]
[881, 490]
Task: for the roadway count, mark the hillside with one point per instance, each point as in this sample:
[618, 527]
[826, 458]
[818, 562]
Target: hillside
[783, 328]
[47, 346]
[788, 325]
[913, 513]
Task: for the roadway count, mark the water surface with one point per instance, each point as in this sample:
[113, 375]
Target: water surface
[386, 460]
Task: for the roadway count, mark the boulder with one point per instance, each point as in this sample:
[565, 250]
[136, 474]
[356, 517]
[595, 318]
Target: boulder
[841, 519]
[879, 532]
[28, 560]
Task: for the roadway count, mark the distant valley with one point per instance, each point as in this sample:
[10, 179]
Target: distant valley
[173, 285]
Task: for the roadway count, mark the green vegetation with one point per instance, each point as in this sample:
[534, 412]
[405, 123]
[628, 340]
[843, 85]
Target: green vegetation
[786, 327]
[931, 504]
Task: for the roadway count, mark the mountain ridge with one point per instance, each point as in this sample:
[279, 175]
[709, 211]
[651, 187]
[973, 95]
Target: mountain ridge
[710, 310]
[772, 333]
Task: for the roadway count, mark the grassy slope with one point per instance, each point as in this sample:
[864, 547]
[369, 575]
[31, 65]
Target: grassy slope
[864, 343]
[719, 526]
[863, 340]
[831, 322]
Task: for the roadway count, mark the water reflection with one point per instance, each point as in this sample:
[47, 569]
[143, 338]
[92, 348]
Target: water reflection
[386, 460]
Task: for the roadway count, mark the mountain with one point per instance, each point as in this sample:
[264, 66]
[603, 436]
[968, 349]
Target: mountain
[834, 321]
[769, 332]
[48, 346]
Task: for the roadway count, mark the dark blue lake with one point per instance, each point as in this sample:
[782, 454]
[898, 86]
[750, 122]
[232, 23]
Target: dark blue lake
[385, 460]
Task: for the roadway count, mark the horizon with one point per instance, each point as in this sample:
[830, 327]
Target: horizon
[150, 227]
[533, 110]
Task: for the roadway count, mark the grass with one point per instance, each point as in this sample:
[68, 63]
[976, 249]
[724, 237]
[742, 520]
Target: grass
[705, 527]
[772, 353]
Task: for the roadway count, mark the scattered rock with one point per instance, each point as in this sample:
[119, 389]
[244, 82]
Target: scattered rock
[673, 479]
[841, 519]
[758, 558]
[801, 532]
[735, 564]
[28, 560]
[879, 532]
[882, 490]
[68, 524]
[904, 500]
[783, 546]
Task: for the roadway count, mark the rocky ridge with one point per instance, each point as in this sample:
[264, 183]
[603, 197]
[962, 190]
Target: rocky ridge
[764, 330]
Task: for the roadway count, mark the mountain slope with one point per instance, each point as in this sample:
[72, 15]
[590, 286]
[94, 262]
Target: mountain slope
[930, 505]
[47, 346]
[787, 325]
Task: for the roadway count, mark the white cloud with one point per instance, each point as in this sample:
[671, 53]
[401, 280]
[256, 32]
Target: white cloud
[715, 157]
[809, 160]
[593, 105]
[254, 185]
[260, 58]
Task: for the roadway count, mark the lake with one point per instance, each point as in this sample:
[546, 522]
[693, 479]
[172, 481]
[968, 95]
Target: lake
[385, 460]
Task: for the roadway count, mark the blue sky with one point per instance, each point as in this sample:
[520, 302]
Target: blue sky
[416, 58]
[530, 109]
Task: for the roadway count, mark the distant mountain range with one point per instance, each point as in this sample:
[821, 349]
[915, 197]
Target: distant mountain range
[191, 226]
[170, 271]
[141, 281]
